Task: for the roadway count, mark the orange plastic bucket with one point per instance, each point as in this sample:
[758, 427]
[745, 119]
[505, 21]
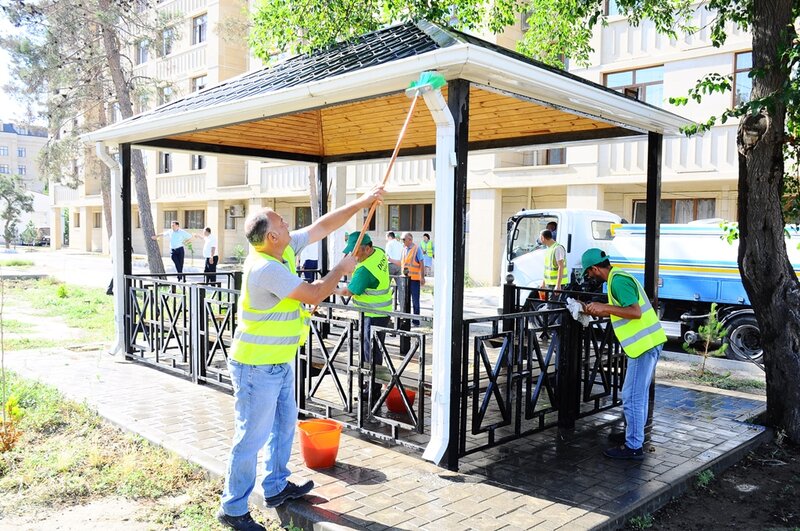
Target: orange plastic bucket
[319, 442]
[394, 402]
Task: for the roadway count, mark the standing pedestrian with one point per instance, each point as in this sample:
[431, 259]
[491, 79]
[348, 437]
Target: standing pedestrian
[640, 335]
[177, 239]
[412, 260]
[394, 253]
[427, 253]
[272, 323]
[555, 263]
[210, 255]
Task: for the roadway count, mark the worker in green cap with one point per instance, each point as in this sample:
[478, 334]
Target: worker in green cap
[370, 291]
[641, 336]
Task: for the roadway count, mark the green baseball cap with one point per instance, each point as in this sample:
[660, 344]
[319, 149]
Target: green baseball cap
[352, 238]
[592, 257]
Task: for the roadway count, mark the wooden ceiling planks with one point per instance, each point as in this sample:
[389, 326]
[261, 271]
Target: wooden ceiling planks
[373, 125]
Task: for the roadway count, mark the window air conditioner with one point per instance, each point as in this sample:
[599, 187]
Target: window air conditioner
[237, 211]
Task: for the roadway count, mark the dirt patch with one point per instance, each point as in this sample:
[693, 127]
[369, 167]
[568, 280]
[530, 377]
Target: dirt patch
[107, 513]
[760, 492]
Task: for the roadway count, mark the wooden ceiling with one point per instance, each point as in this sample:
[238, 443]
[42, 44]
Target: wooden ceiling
[372, 126]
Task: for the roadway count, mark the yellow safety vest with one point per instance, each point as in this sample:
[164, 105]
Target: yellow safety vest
[427, 247]
[268, 337]
[636, 336]
[376, 302]
[551, 266]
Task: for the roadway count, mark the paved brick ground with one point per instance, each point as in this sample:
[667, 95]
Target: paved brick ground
[546, 481]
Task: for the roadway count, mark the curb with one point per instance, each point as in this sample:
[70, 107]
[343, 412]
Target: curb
[684, 475]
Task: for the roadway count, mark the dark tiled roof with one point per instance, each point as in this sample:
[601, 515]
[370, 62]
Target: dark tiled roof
[371, 49]
[24, 131]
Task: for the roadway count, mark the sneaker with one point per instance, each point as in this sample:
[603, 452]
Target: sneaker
[290, 492]
[244, 522]
[623, 452]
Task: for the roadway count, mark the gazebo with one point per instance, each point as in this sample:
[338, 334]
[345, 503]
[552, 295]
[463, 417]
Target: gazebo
[347, 103]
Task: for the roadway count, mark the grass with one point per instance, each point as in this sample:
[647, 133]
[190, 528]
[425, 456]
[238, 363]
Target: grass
[16, 327]
[88, 309]
[719, 381]
[641, 522]
[704, 479]
[69, 455]
[16, 262]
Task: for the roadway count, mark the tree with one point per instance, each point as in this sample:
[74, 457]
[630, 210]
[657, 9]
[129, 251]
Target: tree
[768, 138]
[14, 200]
[74, 52]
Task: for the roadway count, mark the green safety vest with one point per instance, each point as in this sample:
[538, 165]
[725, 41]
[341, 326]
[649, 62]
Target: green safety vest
[636, 336]
[375, 302]
[551, 266]
[268, 337]
[427, 247]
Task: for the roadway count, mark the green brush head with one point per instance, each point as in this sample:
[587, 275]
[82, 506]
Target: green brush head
[427, 81]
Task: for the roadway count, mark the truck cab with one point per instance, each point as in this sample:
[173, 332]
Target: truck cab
[577, 230]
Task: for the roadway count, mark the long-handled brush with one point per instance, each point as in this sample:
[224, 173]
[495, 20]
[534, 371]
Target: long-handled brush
[428, 81]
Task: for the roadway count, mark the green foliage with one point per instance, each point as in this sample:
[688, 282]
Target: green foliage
[704, 479]
[710, 333]
[288, 26]
[29, 234]
[239, 253]
[730, 231]
[16, 262]
[14, 200]
[61, 291]
[645, 521]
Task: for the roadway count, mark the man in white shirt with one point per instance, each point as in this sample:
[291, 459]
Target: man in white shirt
[177, 239]
[210, 255]
[394, 253]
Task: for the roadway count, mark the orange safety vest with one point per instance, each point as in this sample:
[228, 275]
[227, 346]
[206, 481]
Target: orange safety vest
[410, 261]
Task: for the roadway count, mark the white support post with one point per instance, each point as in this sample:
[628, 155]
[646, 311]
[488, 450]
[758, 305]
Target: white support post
[443, 292]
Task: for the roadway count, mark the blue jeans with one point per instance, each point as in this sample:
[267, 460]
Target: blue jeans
[635, 395]
[265, 413]
[413, 285]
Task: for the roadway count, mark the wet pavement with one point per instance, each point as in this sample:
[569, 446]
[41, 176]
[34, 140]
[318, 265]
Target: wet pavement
[548, 480]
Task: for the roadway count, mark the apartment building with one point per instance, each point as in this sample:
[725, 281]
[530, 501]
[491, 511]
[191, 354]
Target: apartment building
[19, 150]
[699, 174]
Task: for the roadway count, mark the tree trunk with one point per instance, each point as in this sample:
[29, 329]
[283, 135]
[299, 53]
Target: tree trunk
[122, 89]
[766, 271]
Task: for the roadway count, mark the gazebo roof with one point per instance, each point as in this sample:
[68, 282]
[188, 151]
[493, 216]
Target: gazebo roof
[347, 102]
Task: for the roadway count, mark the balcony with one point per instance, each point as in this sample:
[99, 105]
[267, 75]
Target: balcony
[64, 195]
[286, 180]
[415, 172]
[171, 187]
[181, 62]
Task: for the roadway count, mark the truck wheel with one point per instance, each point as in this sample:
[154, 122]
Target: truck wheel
[744, 339]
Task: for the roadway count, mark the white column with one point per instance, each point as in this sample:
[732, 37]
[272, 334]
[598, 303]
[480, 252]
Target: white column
[485, 235]
[586, 196]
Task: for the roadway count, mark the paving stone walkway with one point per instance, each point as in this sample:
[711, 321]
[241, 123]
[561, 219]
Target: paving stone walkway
[546, 481]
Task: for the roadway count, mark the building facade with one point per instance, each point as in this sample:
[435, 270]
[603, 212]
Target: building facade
[699, 174]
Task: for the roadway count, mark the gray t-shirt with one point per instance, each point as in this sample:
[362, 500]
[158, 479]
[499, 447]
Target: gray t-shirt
[270, 281]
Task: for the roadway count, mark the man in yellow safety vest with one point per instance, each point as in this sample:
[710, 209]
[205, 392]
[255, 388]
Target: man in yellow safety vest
[271, 325]
[555, 262]
[641, 336]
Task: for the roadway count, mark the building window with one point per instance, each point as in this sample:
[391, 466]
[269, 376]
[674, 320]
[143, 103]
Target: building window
[22, 170]
[77, 223]
[167, 37]
[195, 219]
[230, 221]
[372, 225]
[644, 84]
[137, 220]
[302, 217]
[410, 217]
[169, 217]
[141, 51]
[164, 162]
[3, 151]
[198, 162]
[199, 28]
[98, 220]
[544, 157]
[199, 83]
[677, 210]
[21, 152]
[4, 168]
[164, 95]
[742, 84]
[612, 9]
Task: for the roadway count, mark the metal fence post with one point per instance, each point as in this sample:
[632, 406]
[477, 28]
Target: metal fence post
[198, 335]
[568, 379]
[405, 324]
[509, 290]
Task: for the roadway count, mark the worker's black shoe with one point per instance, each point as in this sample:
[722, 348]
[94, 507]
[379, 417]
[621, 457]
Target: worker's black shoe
[289, 492]
[623, 452]
[242, 523]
